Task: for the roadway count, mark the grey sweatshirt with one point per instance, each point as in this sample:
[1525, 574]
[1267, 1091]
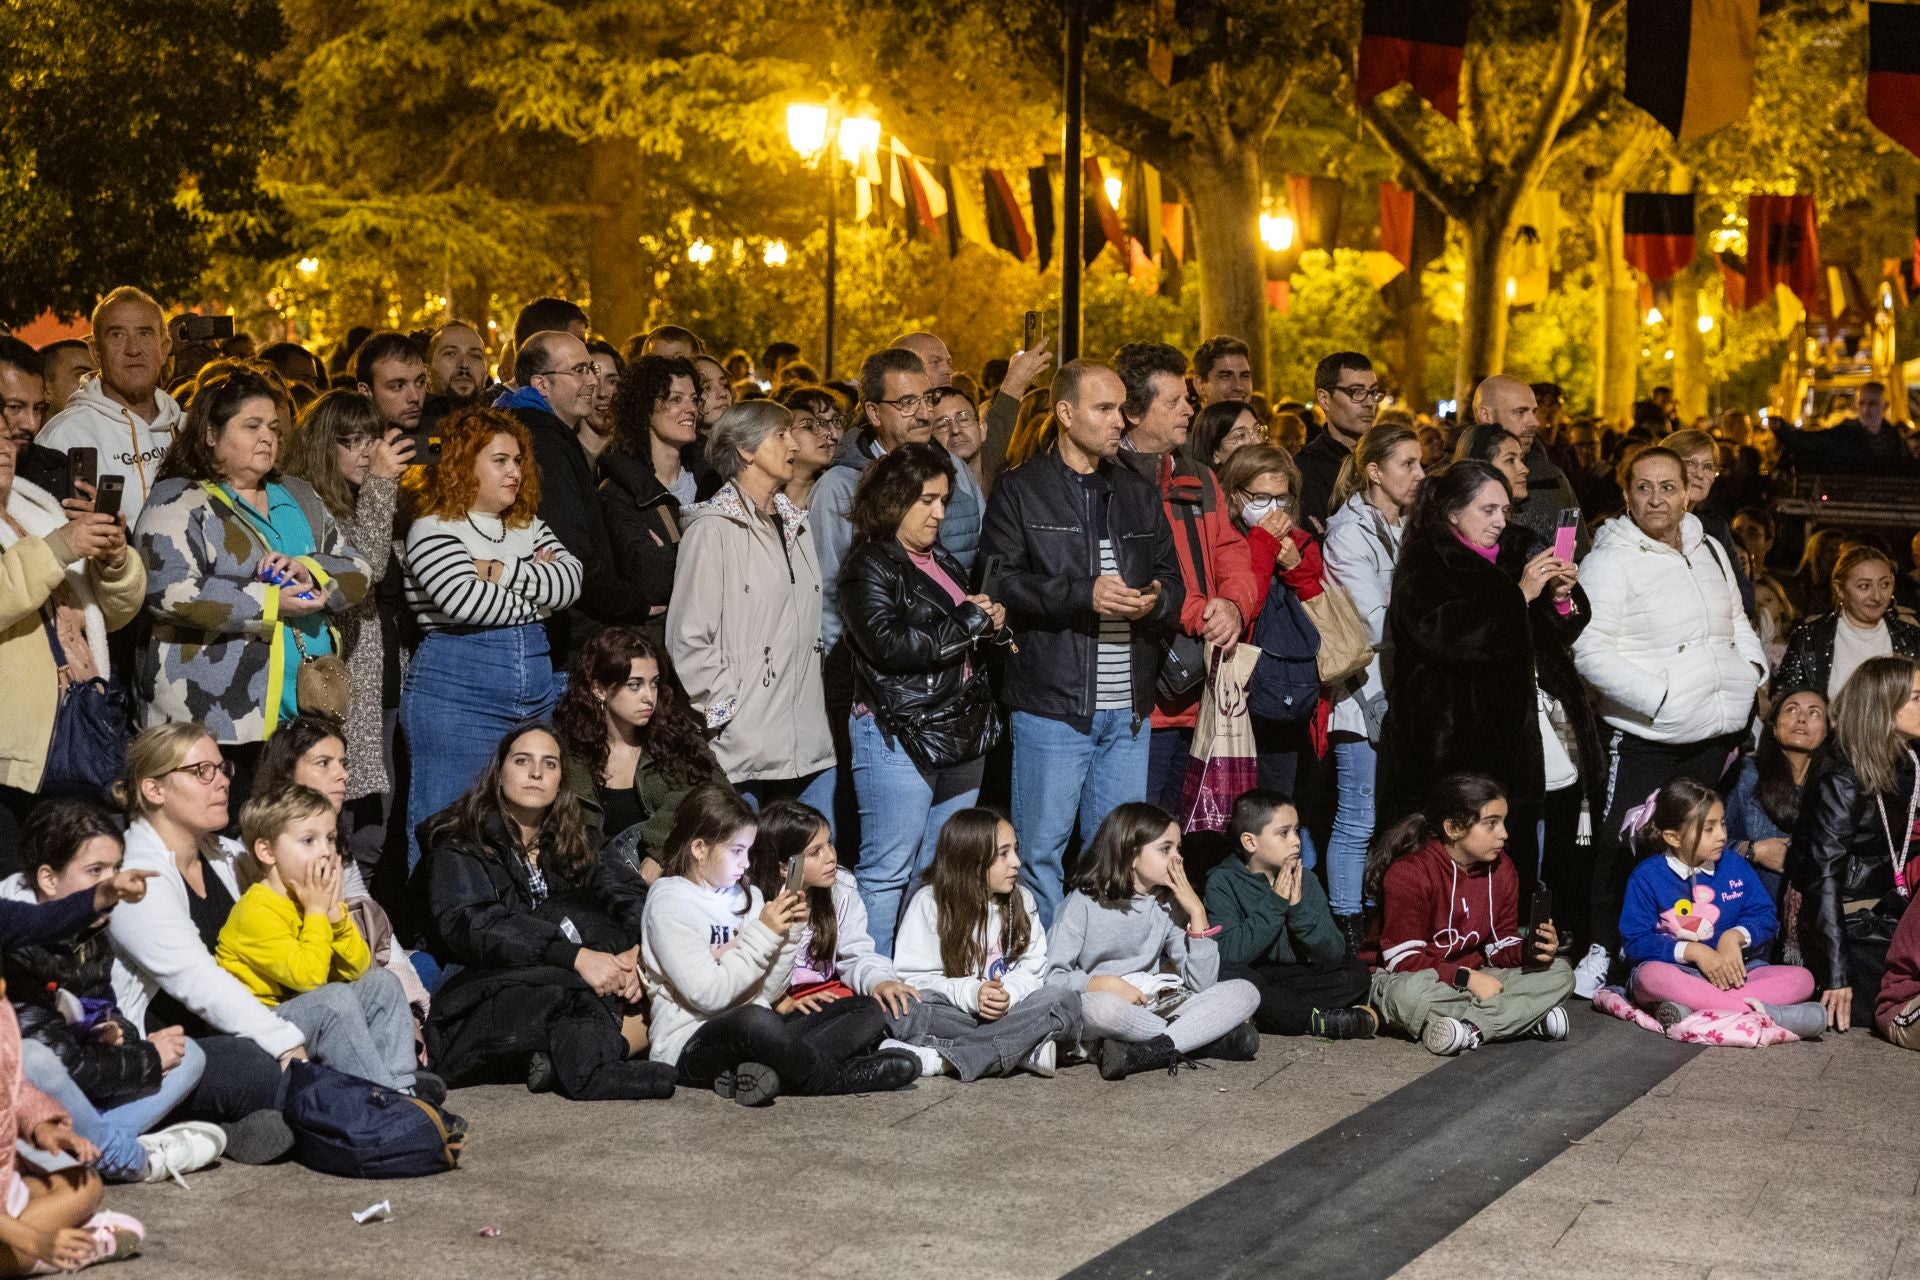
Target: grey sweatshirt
[1135, 936]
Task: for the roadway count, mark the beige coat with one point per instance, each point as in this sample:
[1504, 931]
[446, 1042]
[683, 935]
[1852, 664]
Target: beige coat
[744, 633]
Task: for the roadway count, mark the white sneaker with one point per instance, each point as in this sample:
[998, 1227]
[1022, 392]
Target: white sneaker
[1553, 1026]
[1591, 973]
[1042, 1060]
[1445, 1037]
[931, 1064]
[182, 1149]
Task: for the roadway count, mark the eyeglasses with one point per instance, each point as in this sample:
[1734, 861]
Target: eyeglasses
[356, 442]
[965, 418]
[207, 770]
[585, 371]
[1702, 467]
[825, 423]
[906, 404]
[1363, 394]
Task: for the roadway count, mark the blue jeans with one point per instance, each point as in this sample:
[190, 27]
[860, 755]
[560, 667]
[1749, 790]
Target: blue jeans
[1168, 751]
[1061, 772]
[901, 813]
[463, 692]
[1353, 762]
[116, 1131]
[815, 790]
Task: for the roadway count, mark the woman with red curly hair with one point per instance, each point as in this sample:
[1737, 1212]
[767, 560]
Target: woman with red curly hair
[483, 574]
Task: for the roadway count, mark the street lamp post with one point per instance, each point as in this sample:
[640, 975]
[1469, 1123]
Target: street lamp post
[820, 134]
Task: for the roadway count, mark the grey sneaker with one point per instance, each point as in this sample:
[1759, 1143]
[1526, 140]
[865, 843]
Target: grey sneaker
[1448, 1036]
[1668, 1012]
[1553, 1026]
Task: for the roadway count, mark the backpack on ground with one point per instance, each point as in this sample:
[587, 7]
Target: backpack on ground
[354, 1128]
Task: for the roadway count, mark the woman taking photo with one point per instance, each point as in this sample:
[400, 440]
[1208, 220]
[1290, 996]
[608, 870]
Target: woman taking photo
[248, 573]
[923, 719]
[818, 421]
[1462, 696]
[1849, 853]
[1371, 498]
[548, 988]
[355, 467]
[633, 750]
[176, 795]
[483, 574]
[1764, 806]
[65, 578]
[1827, 648]
[744, 624]
[1671, 658]
[656, 416]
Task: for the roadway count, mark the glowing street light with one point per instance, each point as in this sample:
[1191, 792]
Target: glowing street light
[307, 267]
[700, 253]
[1654, 317]
[775, 254]
[807, 129]
[1114, 188]
[1705, 323]
[859, 138]
[1276, 232]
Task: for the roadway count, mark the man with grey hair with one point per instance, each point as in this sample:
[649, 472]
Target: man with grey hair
[123, 413]
[1510, 403]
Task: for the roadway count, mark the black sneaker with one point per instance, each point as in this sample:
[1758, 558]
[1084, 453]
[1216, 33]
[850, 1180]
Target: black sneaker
[429, 1088]
[260, 1137]
[1239, 1045]
[541, 1077]
[1353, 931]
[751, 1084]
[882, 1072]
[1121, 1058]
[1358, 1022]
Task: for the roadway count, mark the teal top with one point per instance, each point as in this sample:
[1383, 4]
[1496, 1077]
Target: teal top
[284, 527]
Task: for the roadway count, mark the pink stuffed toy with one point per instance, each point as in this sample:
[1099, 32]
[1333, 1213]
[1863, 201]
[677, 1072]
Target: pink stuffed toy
[1691, 919]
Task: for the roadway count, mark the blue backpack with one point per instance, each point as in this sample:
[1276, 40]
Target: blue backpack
[1285, 684]
[354, 1128]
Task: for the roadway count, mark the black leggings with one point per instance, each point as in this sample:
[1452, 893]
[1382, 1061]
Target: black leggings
[240, 1079]
[806, 1049]
[1289, 993]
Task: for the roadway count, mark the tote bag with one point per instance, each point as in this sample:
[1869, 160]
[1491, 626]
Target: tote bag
[1223, 766]
[1345, 646]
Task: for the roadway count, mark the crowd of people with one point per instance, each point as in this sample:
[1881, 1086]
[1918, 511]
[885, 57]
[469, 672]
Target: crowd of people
[443, 717]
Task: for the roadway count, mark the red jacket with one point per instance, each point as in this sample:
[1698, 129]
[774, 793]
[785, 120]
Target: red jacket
[1228, 564]
[1901, 982]
[1441, 916]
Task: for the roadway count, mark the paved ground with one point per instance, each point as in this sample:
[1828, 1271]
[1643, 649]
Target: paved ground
[1782, 1162]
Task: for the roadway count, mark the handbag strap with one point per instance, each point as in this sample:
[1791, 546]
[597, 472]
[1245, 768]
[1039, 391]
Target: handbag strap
[1195, 548]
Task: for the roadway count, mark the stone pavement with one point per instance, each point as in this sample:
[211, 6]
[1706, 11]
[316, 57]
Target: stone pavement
[1785, 1162]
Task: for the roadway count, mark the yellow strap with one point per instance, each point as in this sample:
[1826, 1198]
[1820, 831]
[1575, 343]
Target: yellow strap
[270, 614]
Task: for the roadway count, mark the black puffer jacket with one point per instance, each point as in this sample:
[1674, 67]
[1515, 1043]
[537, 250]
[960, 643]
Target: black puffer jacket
[1043, 527]
[910, 644]
[1839, 854]
[84, 967]
[643, 524]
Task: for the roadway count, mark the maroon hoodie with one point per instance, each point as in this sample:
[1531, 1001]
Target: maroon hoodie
[1901, 982]
[1441, 916]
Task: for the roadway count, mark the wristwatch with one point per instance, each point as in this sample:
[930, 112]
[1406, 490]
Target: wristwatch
[1461, 977]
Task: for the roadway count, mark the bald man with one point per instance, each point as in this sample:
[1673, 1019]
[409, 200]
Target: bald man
[1511, 403]
[934, 356]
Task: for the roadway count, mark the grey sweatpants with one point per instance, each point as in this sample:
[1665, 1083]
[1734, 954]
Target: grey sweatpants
[1205, 1017]
[363, 1027]
[996, 1048]
[1407, 1000]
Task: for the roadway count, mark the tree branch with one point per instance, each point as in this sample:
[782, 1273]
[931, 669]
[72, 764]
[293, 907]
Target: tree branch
[1402, 147]
[1530, 161]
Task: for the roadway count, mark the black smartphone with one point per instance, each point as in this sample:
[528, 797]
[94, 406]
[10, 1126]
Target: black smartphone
[986, 577]
[1030, 331]
[83, 467]
[107, 498]
[426, 446]
[1542, 914]
[206, 328]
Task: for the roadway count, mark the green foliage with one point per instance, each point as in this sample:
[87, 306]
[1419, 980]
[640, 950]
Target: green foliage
[1334, 307]
[134, 134]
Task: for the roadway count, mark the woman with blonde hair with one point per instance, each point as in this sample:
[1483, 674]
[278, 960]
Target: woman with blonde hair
[1849, 853]
[1372, 496]
[1827, 648]
[483, 575]
[1699, 453]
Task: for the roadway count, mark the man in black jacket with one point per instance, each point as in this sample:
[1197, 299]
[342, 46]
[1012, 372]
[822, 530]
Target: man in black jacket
[1079, 550]
[1348, 393]
[556, 380]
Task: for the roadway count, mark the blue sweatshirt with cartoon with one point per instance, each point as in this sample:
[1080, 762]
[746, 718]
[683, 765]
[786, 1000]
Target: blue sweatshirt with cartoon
[1669, 905]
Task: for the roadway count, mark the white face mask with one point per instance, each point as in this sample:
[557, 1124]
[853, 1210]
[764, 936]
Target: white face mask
[1258, 508]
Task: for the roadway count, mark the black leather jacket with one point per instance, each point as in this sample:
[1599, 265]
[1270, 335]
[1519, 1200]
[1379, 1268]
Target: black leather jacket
[1839, 854]
[83, 966]
[910, 644]
[1043, 528]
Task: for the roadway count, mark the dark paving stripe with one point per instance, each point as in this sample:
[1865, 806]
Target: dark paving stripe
[1363, 1198]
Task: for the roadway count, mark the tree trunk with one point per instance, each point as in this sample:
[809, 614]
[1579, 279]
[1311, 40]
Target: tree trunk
[1224, 194]
[471, 302]
[1689, 353]
[1617, 350]
[1483, 316]
[616, 274]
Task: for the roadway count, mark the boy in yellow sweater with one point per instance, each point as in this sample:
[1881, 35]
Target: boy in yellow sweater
[291, 942]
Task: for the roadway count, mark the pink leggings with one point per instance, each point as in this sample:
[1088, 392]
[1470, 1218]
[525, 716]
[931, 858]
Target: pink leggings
[1656, 980]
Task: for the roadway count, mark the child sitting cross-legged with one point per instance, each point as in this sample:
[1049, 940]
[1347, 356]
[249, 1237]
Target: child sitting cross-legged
[1277, 932]
[290, 941]
[1696, 918]
[1449, 944]
[1133, 938]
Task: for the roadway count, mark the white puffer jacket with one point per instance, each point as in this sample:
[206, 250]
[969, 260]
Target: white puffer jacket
[1669, 649]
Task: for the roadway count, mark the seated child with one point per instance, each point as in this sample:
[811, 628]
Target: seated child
[1696, 917]
[77, 1046]
[1134, 940]
[290, 941]
[837, 958]
[52, 1220]
[717, 955]
[1449, 942]
[1277, 931]
[1897, 1012]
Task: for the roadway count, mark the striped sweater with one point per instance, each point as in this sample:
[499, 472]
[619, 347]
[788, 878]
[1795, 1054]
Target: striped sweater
[445, 590]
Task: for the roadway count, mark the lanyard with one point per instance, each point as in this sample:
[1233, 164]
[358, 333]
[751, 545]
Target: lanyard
[1906, 844]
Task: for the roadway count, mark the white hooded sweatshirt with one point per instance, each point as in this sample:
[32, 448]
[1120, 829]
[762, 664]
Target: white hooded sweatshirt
[129, 445]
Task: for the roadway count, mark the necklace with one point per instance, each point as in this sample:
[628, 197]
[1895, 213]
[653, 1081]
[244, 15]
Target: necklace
[483, 533]
[1906, 844]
